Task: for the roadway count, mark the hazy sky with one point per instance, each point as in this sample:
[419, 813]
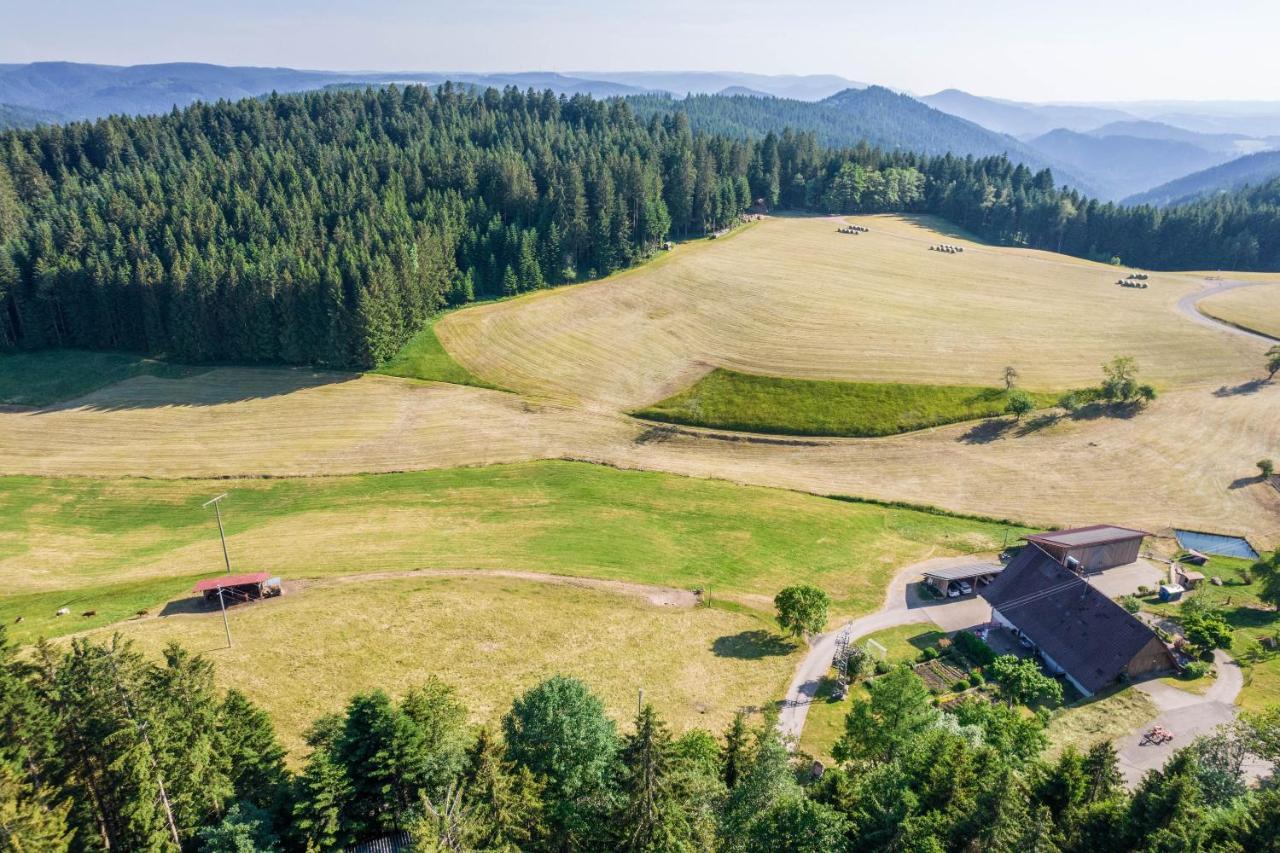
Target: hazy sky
[1030, 49]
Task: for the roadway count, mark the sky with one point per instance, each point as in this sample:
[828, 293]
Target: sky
[1029, 50]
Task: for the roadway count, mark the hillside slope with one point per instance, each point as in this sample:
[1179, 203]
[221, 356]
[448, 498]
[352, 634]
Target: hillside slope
[1252, 169]
[1125, 164]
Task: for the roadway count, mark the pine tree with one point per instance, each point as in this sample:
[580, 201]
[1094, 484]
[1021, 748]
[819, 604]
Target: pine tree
[736, 750]
[31, 818]
[254, 757]
[506, 800]
[383, 754]
[320, 801]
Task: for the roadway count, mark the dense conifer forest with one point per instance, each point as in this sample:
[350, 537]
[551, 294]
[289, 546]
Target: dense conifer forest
[103, 749]
[326, 228]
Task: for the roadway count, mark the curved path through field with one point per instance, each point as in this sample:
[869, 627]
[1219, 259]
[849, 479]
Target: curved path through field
[1189, 307]
[901, 607]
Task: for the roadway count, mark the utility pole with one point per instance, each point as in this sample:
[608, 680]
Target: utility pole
[225, 624]
[221, 533]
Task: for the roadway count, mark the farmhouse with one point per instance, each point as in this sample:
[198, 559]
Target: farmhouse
[1077, 630]
[1094, 548]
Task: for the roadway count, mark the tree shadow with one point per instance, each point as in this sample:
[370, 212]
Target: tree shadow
[1253, 386]
[986, 395]
[1097, 411]
[987, 431]
[1039, 422]
[1242, 482]
[752, 645]
[212, 385]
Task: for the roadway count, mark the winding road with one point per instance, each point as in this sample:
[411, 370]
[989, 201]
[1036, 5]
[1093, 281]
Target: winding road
[1189, 307]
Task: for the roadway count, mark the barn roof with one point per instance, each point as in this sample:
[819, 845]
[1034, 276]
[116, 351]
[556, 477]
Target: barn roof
[224, 581]
[1095, 534]
[1086, 633]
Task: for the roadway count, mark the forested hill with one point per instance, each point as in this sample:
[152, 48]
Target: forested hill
[1253, 169]
[325, 228]
[874, 115]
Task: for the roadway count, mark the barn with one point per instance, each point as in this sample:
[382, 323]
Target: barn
[1076, 629]
[1098, 547]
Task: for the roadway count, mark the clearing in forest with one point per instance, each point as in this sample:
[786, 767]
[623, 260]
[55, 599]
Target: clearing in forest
[791, 297]
[119, 546]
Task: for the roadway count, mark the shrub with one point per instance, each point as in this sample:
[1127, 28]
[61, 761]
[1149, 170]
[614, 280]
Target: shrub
[1130, 604]
[1144, 590]
[975, 648]
[960, 685]
[882, 667]
[1266, 468]
[976, 679]
[929, 653]
[1195, 669]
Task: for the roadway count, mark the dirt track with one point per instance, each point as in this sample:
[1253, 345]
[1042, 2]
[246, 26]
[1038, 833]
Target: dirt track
[1189, 307]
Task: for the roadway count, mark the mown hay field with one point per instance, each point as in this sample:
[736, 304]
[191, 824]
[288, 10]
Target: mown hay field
[1256, 308]
[792, 297]
[106, 545]
[306, 653]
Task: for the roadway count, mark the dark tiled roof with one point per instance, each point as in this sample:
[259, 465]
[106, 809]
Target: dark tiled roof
[1097, 534]
[1086, 633]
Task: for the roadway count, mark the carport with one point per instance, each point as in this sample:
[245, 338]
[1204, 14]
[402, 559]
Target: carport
[943, 579]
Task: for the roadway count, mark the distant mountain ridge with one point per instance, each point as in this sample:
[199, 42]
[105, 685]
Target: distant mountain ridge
[1125, 164]
[874, 115]
[1250, 170]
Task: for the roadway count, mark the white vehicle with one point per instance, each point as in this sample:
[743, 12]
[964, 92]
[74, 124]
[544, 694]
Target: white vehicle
[965, 587]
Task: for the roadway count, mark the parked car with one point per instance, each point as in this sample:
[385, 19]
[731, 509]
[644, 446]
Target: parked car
[965, 587]
[953, 592]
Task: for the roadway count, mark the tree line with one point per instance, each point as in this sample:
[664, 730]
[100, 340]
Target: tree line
[103, 749]
[326, 228]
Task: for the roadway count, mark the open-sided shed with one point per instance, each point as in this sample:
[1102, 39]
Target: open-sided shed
[248, 587]
[1097, 547]
[942, 579]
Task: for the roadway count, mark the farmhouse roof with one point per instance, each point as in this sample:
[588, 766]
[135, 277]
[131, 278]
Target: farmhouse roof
[224, 581]
[1086, 633]
[1095, 534]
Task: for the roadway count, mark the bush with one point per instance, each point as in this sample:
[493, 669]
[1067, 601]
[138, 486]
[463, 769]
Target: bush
[1130, 604]
[975, 648]
[1144, 590]
[960, 685]
[882, 667]
[929, 654]
[976, 679]
[1195, 669]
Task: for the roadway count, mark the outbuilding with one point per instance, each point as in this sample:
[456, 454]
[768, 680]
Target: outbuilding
[235, 588]
[974, 574]
[1094, 548]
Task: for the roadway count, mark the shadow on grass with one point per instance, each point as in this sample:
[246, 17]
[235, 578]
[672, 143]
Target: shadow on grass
[752, 645]
[985, 432]
[1253, 386]
[1037, 423]
[1242, 482]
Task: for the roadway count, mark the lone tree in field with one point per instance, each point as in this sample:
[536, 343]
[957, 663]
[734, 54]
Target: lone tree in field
[1273, 362]
[1010, 377]
[802, 609]
[1120, 382]
[1266, 468]
[1020, 403]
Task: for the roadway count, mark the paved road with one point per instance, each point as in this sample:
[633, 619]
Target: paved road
[901, 607]
[1188, 716]
[1189, 307]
